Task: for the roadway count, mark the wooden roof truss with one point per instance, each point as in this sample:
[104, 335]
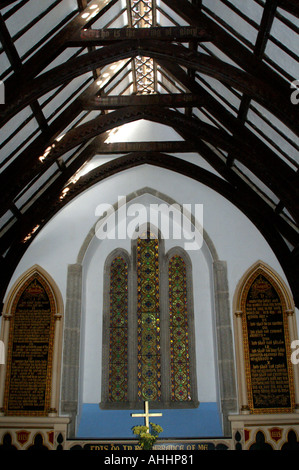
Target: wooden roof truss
[214, 71]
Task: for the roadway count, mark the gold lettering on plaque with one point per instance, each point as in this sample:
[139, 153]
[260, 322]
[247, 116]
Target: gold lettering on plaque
[266, 346]
[30, 350]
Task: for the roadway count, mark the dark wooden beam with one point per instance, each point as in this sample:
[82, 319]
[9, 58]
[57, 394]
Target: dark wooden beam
[5, 3]
[244, 146]
[35, 214]
[259, 89]
[19, 175]
[82, 4]
[178, 100]
[16, 63]
[48, 52]
[52, 199]
[291, 6]
[259, 49]
[197, 3]
[39, 115]
[228, 44]
[170, 146]
[270, 169]
[9, 46]
[99, 37]
[102, 123]
[30, 156]
[256, 200]
[38, 214]
[265, 27]
[11, 177]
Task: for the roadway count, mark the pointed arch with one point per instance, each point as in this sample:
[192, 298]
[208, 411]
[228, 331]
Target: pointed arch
[265, 326]
[223, 327]
[22, 279]
[116, 372]
[182, 328]
[275, 277]
[32, 334]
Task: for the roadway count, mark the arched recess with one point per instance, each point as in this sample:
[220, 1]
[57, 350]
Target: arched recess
[264, 320]
[70, 401]
[34, 292]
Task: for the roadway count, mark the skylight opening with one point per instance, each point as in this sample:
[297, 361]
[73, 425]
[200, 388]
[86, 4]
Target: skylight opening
[142, 16]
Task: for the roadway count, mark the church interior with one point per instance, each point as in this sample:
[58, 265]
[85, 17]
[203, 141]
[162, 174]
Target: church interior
[149, 224]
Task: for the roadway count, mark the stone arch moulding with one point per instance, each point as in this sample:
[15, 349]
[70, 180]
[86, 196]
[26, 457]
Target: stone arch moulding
[222, 325]
[58, 328]
[288, 310]
[129, 198]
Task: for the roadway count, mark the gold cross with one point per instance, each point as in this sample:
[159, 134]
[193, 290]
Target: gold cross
[145, 415]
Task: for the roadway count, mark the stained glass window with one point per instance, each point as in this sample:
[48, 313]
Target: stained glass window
[179, 339]
[118, 328]
[148, 318]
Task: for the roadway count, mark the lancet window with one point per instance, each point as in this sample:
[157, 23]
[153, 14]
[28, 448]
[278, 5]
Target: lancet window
[151, 353]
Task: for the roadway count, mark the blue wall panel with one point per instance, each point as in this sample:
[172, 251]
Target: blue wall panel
[202, 422]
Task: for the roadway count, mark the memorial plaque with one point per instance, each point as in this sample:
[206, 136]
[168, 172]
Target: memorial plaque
[29, 364]
[266, 346]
